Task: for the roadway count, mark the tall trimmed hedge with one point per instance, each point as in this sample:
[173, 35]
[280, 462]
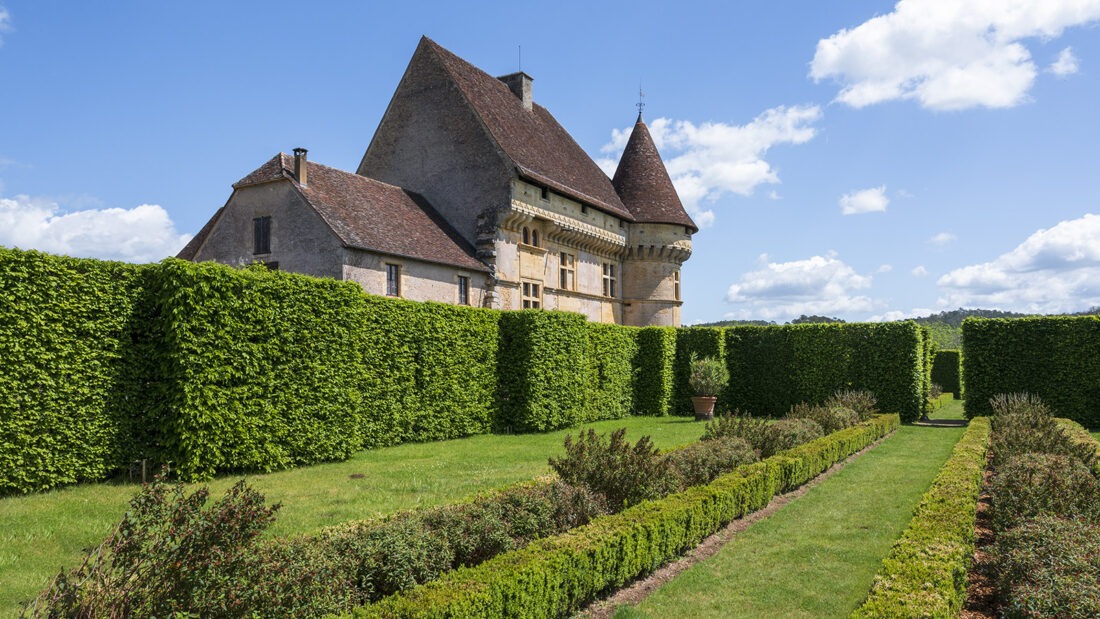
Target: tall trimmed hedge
[947, 371]
[703, 342]
[542, 370]
[1055, 358]
[772, 368]
[655, 371]
[67, 368]
[612, 351]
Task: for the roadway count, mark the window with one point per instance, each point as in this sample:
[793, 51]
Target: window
[676, 284]
[531, 297]
[526, 236]
[393, 280]
[535, 237]
[463, 290]
[530, 236]
[608, 279]
[261, 235]
[545, 193]
[568, 272]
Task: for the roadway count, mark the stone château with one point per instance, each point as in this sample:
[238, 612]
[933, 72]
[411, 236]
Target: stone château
[470, 193]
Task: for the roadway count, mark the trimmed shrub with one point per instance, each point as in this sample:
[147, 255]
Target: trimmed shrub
[1056, 358]
[738, 424]
[702, 462]
[788, 433]
[556, 576]
[701, 342]
[859, 400]
[612, 350]
[1031, 484]
[655, 371]
[542, 369]
[947, 371]
[925, 574]
[830, 418]
[622, 473]
[1049, 567]
[72, 376]
[1023, 424]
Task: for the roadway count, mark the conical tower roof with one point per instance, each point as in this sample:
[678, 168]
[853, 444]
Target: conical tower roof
[642, 182]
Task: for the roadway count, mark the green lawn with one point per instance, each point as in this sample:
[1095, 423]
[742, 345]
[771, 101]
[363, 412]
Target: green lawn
[817, 556]
[40, 534]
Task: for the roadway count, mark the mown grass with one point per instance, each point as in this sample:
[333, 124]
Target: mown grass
[817, 556]
[40, 534]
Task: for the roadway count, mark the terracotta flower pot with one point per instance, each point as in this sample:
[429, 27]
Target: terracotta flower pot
[704, 407]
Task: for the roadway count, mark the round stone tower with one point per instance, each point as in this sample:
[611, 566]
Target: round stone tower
[659, 240]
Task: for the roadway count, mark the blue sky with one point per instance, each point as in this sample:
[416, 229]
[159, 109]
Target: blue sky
[867, 160]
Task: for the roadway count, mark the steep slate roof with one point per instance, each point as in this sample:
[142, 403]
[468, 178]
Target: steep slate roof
[367, 214]
[540, 148]
[643, 183]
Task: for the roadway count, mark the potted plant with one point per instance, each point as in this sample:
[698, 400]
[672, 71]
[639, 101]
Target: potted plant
[708, 378]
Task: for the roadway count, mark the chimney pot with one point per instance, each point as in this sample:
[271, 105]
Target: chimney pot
[300, 169]
[520, 85]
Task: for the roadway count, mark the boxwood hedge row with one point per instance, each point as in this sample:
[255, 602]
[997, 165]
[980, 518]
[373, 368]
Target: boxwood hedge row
[925, 574]
[947, 371]
[1055, 358]
[556, 576]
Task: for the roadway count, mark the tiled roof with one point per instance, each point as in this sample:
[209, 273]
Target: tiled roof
[643, 183]
[188, 252]
[371, 215]
[540, 148]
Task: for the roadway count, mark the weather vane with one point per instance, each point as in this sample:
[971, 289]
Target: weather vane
[641, 100]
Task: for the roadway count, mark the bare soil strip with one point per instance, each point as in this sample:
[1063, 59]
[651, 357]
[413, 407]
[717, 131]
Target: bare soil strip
[981, 598]
[642, 588]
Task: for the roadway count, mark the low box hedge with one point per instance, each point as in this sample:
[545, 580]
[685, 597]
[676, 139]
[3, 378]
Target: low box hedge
[925, 574]
[558, 575]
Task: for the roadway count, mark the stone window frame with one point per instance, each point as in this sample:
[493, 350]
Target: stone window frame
[530, 236]
[531, 294]
[393, 279]
[609, 279]
[261, 235]
[676, 283]
[567, 271]
[463, 282]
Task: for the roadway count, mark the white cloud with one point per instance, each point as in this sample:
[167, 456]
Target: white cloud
[885, 268]
[144, 233]
[943, 238]
[822, 285]
[5, 22]
[919, 271]
[864, 201]
[946, 54]
[710, 160]
[895, 315]
[1066, 64]
[1053, 270]
[774, 195]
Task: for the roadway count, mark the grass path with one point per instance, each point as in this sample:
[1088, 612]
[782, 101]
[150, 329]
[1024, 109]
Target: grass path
[41, 533]
[815, 557]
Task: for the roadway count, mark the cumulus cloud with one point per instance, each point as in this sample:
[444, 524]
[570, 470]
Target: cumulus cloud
[946, 54]
[943, 238]
[144, 233]
[919, 271]
[712, 159]
[895, 315]
[1053, 270]
[864, 201]
[822, 285]
[1066, 64]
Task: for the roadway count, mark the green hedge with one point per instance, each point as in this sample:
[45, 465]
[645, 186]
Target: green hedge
[772, 368]
[925, 574]
[1055, 358]
[556, 576]
[612, 352]
[655, 371]
[69, 374]
[947, 371]
[543, 370]
[703, 342]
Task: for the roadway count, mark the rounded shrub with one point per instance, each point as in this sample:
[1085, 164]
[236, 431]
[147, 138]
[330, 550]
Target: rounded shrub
[861, 401]
[737, 424]
[1032, 484]
[788, 433]
[702, 462]
[830, 417]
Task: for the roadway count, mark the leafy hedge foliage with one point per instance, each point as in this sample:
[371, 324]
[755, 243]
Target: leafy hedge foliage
[612, 351]
[947, 371]
[1056, 358]
[68, 372]
[773, 368]
[655, 374]
[555, 576]
[703, 342]
[925, 574]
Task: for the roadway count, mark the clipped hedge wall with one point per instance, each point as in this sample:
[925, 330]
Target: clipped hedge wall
[947, 371]
[612, 351]
[655, 371]
[772, 368]
[262, 369]
[556, 576]
[69, 373]
[543, 370]
[925, 574]
[703, 342]
[1055, 358]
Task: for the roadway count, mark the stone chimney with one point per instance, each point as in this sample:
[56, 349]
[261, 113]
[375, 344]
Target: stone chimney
[301, 172]
[520, 84]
